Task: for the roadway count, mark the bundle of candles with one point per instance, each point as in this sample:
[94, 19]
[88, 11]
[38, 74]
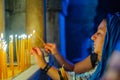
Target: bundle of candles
[15, 57]
[18, 56]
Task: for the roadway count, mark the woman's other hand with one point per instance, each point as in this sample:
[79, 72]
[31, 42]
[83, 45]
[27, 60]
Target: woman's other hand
[39, 57]
[51, 48]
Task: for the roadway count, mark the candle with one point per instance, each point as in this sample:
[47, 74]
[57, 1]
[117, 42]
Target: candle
[34, 32]
[1, 63]
[5, 74]
[0, 59]
[29, 43]
[25, 51]
[17, 53]
[11, 54]
[22, 53]
[29, 48]
[63, 73]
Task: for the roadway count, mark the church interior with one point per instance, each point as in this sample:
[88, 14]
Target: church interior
[25, 24]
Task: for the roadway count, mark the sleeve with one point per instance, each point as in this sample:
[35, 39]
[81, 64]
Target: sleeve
[71, 75]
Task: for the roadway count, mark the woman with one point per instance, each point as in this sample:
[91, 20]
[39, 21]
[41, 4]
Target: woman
[112, 36]
[79, 67]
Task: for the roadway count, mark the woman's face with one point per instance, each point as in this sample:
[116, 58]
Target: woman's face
[113, 68]
[98, 37]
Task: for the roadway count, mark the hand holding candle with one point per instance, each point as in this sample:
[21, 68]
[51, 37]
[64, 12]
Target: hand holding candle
[39, 57]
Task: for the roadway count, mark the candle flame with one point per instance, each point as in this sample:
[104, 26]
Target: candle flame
[29, 36]
[16, 35]
[23, 36]
[2, 36]
[33, 31]
[11, 37]
[19, 37]
[5, 47]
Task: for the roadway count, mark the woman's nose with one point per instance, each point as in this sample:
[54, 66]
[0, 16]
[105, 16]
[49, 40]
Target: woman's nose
[93, 37]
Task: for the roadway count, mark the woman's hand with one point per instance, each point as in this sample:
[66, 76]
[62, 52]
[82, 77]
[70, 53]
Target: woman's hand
[39, 57]
[51, 48]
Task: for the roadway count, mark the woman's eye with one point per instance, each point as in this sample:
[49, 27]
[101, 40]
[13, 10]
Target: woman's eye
[98, 34]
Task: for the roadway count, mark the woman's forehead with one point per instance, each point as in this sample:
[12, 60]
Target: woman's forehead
[102, 25]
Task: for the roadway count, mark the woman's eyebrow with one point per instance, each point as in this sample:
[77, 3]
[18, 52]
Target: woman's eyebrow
[100, 28]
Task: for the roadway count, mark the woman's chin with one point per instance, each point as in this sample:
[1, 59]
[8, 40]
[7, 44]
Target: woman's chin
[95, 51]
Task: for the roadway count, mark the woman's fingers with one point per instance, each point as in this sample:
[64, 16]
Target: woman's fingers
[33, 51]
[47, 50]
[39, 52]
[50, 44]
[36, 51]
[38, 57]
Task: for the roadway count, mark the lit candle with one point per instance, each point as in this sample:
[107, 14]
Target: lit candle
[11, 55]
[1, 62]
[22, 53]
[25, 51]
[17, 53]
[29, 48]
[5, 74]
[29, 42]
[34, 32]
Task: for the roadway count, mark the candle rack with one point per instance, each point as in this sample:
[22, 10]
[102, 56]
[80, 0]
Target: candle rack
[14, 55]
